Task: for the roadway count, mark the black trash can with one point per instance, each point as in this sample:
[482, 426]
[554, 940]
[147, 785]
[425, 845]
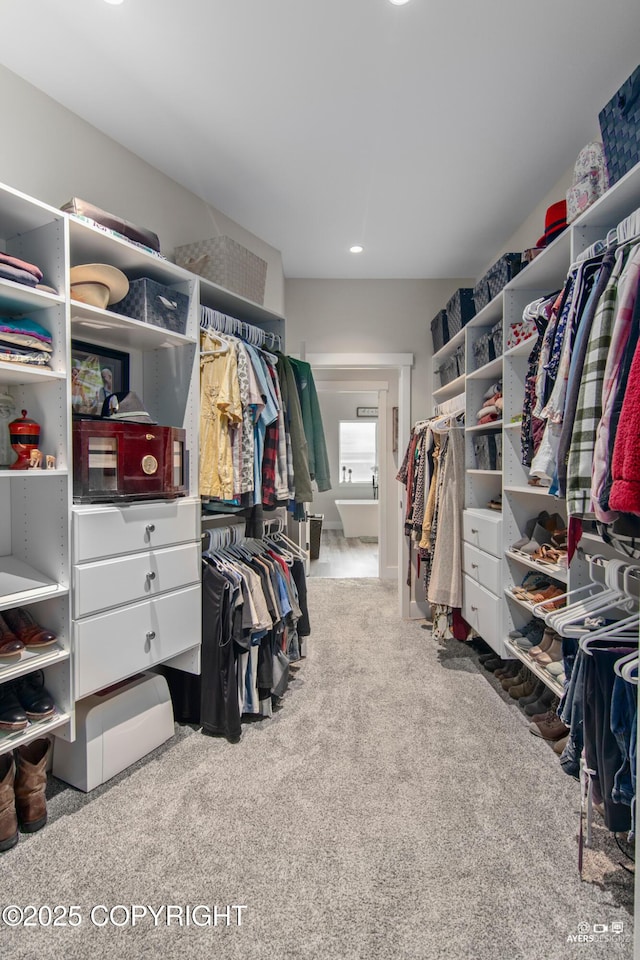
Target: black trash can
[315, 532]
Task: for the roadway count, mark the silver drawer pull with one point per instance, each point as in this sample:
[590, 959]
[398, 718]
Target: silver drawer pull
[474, 566]
[150, 527]
[151, 635]
[473, 530]
[151, 575]
[473, 608]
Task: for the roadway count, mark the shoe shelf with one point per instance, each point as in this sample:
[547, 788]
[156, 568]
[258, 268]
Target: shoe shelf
[535, 668]
[21, 583]
[521, 603]
[488, 371]
[555, 570]
[9, 740]
[485, 427]
[31, 660]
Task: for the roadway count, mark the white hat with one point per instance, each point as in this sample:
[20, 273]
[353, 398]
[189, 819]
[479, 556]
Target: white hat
[88, 281]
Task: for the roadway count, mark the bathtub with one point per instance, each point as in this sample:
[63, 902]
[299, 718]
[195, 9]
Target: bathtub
[359, 517]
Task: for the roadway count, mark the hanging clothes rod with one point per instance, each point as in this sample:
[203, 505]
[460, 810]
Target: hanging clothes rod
[222, 323]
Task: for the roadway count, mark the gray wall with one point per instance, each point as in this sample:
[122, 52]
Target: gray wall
[53, 155]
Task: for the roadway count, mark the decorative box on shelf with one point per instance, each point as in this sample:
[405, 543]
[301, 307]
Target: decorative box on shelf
[620, 128]
[439, 330]
[496, 277]
[227, 263]
[153, 303]
[460, 309]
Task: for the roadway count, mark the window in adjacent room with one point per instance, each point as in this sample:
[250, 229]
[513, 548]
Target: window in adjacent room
[358, 450]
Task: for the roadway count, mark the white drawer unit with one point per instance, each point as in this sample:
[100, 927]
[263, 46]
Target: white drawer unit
[109, 531]
[114, 645]
[483, 568]
[483, 529]
[120, 580]
[482, 611]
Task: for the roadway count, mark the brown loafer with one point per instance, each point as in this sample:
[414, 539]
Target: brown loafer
[10, 646]
[26, 629]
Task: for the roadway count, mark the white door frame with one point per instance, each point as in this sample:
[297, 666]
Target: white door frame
[402, 364]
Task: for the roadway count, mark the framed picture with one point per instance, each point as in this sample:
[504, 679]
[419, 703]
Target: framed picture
[96, 372]
[394, 429]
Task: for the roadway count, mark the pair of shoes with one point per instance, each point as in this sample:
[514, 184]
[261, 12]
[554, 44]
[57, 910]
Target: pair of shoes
[496, 503]
[509, 669]
[18, 629]
[550, 727]
[23, 783]
[493, 664]
[549, 650]
[535, 694]
[514, 679]
[540, 706]
[526, 688]
[559, 745]
[23, 700]
[538, 532]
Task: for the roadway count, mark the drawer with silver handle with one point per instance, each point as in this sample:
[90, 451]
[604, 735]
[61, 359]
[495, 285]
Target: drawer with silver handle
[483, 611]
[483, 568]
[483, 529]
[110, 530]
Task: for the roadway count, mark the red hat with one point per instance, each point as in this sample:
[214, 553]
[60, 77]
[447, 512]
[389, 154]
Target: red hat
[555, 222]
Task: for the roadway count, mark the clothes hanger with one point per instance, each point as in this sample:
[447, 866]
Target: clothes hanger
[608, 599]
[630, 659]
[223, 348]
[627, 672]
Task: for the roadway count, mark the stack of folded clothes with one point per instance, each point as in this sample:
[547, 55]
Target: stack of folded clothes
[25, 341]
[491, 409]
[11, 268]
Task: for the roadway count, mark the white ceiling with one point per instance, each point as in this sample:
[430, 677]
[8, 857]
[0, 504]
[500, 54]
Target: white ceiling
[426, 132]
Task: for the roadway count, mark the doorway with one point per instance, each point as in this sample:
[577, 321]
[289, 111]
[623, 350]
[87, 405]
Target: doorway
[388, 376]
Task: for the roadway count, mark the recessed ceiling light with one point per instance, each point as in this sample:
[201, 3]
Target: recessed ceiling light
[398, 3]
[356, 248]
[116, 2]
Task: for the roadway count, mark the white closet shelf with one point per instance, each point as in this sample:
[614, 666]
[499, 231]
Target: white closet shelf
[485, 427]
[489, 315]
[22, 373]
[18, 297]
[116, 330]
[535, 491]
[513, 426]
[488, 473]
[449, 389]
[9, 741]
[233, 304]
[29, 474]
[521, 603]
[535, 668]
[90, 244]
[488, 371]
[521, 349]
[21, 583]
[31, 660]
[555, 570]
[449, 347]
[549, 269]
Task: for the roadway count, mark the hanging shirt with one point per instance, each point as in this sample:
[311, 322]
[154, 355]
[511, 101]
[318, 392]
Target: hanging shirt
[220, 412]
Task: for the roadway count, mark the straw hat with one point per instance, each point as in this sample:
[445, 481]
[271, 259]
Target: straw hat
[98, 284]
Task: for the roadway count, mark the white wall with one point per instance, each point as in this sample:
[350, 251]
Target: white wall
[336, 406]
[53, 155]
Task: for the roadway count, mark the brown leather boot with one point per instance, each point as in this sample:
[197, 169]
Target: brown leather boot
[31, 784]
[8, 819]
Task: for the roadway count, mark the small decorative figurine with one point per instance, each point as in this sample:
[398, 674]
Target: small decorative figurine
[35, 460]
[51, 462]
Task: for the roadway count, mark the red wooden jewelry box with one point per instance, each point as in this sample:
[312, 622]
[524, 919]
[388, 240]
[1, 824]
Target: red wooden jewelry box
[120, 461]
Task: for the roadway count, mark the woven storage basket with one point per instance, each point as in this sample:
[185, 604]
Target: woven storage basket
[439, 330]
[496, 339]
[448, 370]
[227, 263]
[620, 128]
[482, 350]
[496, 277]
[497, 439]
[154, 303]
[481, 451]
[460, 309]
[459, 359]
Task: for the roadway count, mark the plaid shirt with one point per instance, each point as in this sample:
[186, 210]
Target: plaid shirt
[589, 408]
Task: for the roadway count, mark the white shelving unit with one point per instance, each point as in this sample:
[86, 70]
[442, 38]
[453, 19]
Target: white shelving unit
[35, 505]
[496, 608]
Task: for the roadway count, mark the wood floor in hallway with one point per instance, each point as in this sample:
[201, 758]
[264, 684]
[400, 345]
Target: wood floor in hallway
[341, 558]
